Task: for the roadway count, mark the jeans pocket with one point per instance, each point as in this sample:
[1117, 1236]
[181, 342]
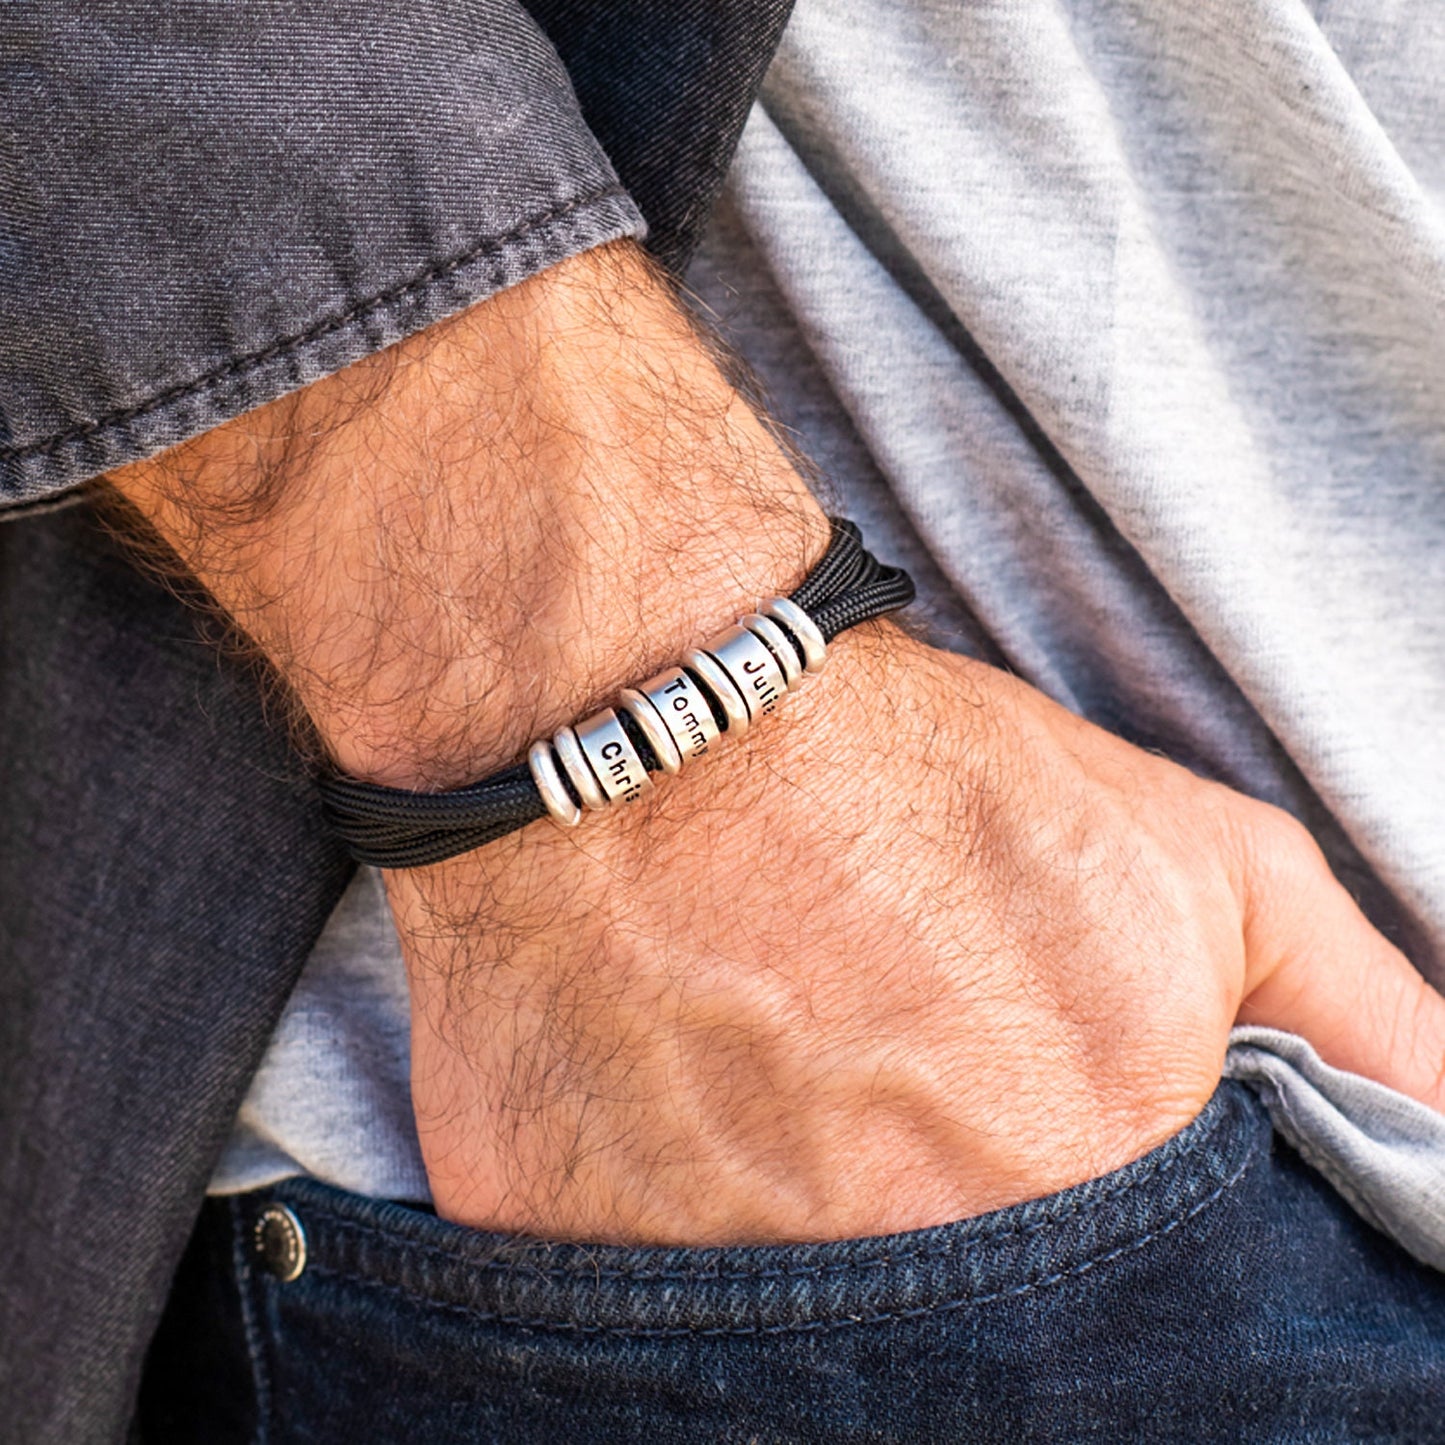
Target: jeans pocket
[1162, 1301]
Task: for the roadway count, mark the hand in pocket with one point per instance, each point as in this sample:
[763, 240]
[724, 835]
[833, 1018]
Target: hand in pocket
[924, 946]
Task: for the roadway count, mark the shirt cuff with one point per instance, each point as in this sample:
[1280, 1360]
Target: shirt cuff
[210, 206]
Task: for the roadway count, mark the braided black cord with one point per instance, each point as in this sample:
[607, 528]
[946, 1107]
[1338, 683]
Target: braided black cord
[396, 828]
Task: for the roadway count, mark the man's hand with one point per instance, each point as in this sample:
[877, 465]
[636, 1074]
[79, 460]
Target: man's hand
[930, 946]
[923, 945]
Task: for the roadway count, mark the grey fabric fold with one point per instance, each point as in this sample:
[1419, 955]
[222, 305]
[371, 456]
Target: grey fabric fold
[1383, 1152]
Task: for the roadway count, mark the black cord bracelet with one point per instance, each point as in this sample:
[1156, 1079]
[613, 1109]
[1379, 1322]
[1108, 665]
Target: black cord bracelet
[721, 687]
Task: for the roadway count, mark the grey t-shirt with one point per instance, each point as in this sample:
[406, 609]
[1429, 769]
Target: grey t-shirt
[1123, 326]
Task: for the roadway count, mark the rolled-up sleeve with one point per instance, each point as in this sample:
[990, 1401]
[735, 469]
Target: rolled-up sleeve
[204, 205]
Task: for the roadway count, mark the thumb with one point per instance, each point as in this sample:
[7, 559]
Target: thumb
[1314, 965]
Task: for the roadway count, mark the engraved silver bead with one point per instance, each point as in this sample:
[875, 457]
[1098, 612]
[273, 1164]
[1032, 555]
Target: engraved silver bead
[778, 644]
[722, 687]
[614, 760]
[753, 668]
[647, 717]
[815, 645]
[684, 710]
[548, 778]
[584, 780]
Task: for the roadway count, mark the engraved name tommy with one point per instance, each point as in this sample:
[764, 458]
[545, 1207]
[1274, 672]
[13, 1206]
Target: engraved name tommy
[685, 713]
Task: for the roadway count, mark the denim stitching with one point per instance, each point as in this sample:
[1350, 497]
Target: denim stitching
[287, 344]
[44, 505]
[805, 1326]
[255, 1340]
[343, 1225]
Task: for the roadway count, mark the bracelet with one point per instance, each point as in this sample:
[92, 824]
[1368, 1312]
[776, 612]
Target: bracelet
[723, 686]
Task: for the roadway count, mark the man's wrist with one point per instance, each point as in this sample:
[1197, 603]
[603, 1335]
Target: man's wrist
[596, 620]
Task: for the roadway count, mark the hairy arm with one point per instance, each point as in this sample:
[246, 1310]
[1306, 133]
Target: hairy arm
[923, 945]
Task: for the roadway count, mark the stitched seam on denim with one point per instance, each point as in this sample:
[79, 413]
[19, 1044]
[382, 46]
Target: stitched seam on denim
[581, 1269]
[312, 333]
[806, 1326]
[43, 505]
[255, 1340]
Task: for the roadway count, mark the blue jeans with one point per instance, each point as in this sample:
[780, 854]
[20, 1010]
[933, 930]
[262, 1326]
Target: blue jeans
[1216, 1289]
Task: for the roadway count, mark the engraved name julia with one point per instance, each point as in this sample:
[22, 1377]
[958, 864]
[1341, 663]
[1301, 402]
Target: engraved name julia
[762, 683]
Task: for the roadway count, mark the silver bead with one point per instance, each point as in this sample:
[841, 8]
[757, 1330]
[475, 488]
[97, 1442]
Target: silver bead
[647, 717]
[753, 669]
[548, 778]
[615, 761]
[778, 645]
[815, 645]
[569, 750]
[683, 707]
[722, 687]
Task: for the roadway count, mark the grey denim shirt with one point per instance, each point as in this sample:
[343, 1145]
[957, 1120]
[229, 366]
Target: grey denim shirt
[202, 207]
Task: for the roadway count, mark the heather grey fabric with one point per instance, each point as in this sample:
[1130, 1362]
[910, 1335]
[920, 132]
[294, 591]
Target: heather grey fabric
[1139, 313]
[1383, 1152]
[1121, 325]
[1153, 320]
[332, 1096]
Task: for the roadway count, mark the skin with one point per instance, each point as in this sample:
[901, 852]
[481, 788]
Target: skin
[923, 945]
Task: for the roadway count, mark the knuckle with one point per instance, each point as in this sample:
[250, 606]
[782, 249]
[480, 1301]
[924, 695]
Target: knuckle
[1281, 849]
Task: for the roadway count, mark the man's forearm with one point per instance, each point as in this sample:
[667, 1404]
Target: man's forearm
[459, 544]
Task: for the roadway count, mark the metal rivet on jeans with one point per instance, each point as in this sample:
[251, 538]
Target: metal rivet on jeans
[280, 1241]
